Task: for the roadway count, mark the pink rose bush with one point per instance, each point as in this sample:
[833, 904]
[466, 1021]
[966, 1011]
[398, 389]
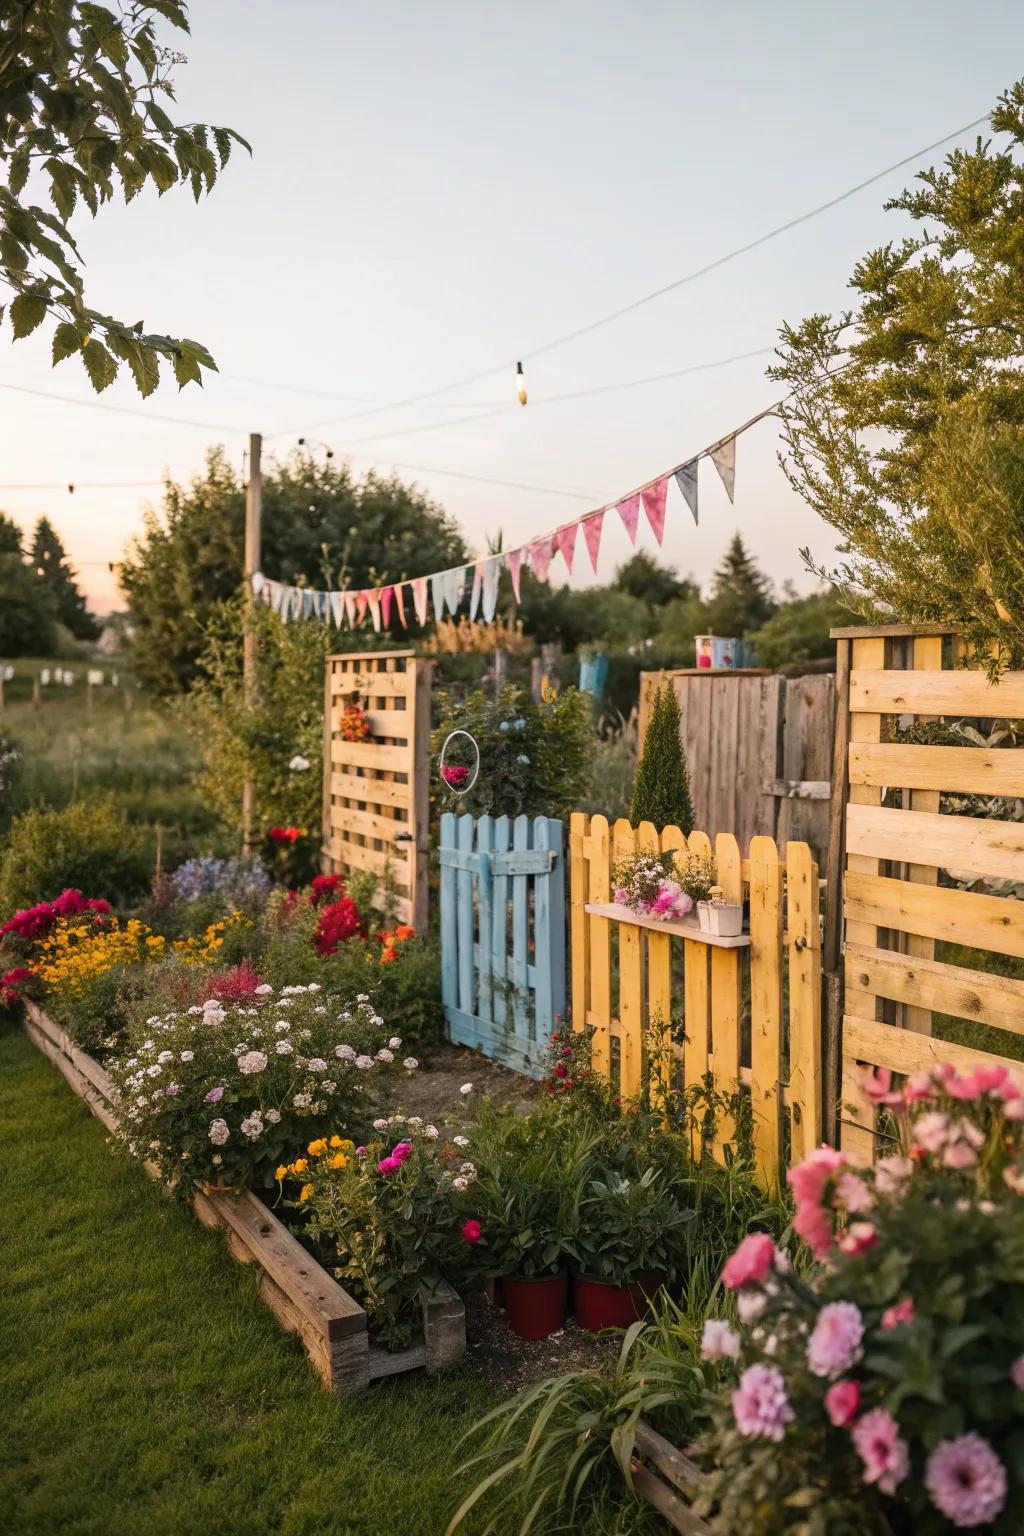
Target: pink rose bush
[880, 1389]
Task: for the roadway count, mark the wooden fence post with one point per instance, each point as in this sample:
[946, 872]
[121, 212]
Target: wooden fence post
[725, 991]
[804, 931]
[600, 1016]
[766, 1004]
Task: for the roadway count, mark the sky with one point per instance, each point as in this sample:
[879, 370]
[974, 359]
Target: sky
[436, 191]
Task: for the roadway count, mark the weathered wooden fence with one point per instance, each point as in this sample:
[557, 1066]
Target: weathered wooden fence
[628, 972]
[375, 807]
[503, 934]
[759, 751]
[910, 867]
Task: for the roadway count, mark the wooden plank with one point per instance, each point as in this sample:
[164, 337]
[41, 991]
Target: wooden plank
[464, 830]
[81, 1085]
[499, 925]
[867, 656]
[798, 789]
[423, 672]
[485, 848]
[556, 885]
[972, 845]
[696, 1012]
[630, 1009]
[668, 1503]
[659, 976]
[970, 918]
[837, 815]
[964, 770]
[444, 1328]
[888, 631]
[927, 657]
[579, 921]
[449, 920]
[369, 754]
[352, 823]
[937, 693]
[804, 932]
[600, 945]
[520, 932]
[725, 993]
[543, 1012]
[686, 928]
[933, 985]
[905, 1051]
[379, 860]
[326, 863]
[368, 792]
[766, 1005]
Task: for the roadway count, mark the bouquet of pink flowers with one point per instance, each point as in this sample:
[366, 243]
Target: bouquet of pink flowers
[649, 883]
[882, 1391]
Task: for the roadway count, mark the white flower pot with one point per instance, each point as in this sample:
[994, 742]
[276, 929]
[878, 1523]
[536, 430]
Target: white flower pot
[703, 916]
[725, 919]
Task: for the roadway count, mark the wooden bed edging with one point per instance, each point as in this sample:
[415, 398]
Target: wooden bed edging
[301, 1294]
[662, 1475]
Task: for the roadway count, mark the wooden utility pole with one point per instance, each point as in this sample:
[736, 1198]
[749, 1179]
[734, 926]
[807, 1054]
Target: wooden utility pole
[253, 519]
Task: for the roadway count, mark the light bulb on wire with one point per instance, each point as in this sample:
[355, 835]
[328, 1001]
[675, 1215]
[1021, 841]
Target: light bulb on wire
[520, 384]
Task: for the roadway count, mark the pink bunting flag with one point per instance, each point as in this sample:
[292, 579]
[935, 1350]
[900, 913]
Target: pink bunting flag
[362, 603]
[386, 598]
[515, 560]
[540, 557]
[565, 539]
[629, 511]
[399, 592]
[419, 598]
[592, 528]
[654, 505]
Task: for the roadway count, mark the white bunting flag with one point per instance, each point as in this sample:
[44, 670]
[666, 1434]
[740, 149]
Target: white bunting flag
[724, 459]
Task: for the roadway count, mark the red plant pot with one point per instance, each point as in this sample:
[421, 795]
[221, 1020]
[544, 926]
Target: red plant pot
[646, 1287]
[602, 1304]
[536, 1308]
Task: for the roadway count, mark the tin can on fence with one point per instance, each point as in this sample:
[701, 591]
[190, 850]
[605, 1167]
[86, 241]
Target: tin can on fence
[718, 652]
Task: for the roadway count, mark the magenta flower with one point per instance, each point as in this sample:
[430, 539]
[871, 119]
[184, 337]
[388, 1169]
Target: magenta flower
[751, 1263]
[360, 1151]
[876, 1438]
[1017, 1373]
[809, 1182]
[402, 1150]
[858, 1239]
[966, 1481]
[842, 1403]
[214, 1096]
[760, 1405]
[901, 1312]
[389, 1165]
[835, 1343]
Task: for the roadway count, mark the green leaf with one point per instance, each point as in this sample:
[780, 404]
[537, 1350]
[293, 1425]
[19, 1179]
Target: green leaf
[67, 339]
[99, 365]
[187, 369]
[28, 311]
[19, 170]
[158, 117]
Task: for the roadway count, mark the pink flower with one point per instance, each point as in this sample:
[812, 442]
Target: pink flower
[471, 1231]
[214, 1096]
[860, 1237]
[842, 1403]
[835, 1342]
[958, 1156]
[751, 1263]
[966, 1481]
[808, 1182]
[389, 1165]
[1013, 1109]
[1013, 1178]
[1017, 1373]
[919, 1085]
[900, 1312]
[853, 1192]
[402, 1150]
[760, 1405]
[891, 1173]
[885, 1456]
[719, 1341]
[966, 1088]
[930, 1131]
[814, 1225]
[877, 1088]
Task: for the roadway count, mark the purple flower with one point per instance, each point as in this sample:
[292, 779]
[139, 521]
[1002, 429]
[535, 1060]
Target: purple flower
[360, 1151]
[835, 1343]
[214, 1096]
[760, 1405]
[966, 1481]
[876, 1438]
[172, 1089]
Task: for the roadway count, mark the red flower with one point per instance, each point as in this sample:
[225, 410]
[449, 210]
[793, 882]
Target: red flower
[454, 775]
[36, 922]
[9, 985]
[338, 922]
[235, 985]
[286, 834]
[323, 886]
[559, 1070]
[471, 1231]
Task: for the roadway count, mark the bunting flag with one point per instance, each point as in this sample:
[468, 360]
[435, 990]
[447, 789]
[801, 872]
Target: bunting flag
[565, 539]
[592, 527]
[653, 498]
[492, 576]
[629, 511]
[400, 604]
[385, 605]
[686, 479]
[437, 595]
[724, 459]
[372, 596]
[337, 606]
[258, 583]
[419, 599]
[478, 584]
[362, 603]
[540, 557]
[350, 609]
[515, 560]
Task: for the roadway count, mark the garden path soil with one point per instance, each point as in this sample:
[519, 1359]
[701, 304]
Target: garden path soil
[511, 1363]
[433, 1090]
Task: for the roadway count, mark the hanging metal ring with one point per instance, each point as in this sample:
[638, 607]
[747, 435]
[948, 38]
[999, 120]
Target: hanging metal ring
[459, 789]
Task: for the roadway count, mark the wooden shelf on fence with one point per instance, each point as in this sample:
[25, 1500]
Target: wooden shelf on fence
[685, 929]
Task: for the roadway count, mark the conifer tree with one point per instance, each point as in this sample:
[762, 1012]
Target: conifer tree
[741, 595]
[661, 789]
[50, 562]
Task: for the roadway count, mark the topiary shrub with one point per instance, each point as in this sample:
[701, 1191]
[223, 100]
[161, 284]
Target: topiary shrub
[661, 789]
[87, 846]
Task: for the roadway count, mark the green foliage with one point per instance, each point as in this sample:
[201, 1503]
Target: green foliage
[49, 560]
[903, 415]
[661, 790]
[741, 595]
[321, 526]
[535, 759]
[629, 1227]
[88, 846]
[643, 578]
[79, 89]
[28, 613]
[798, 630]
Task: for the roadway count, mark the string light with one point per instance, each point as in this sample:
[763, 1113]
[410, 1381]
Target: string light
[520, 384]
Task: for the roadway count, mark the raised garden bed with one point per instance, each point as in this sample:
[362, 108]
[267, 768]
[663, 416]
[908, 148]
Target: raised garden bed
[301, 1294]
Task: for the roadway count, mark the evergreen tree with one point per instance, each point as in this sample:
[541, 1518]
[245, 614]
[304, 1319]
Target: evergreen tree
[661, 789]
[50, 562]
[27, 608]
[741, 595]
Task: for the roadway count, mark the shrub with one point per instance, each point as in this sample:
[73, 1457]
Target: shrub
[661, 789]
[223, 1093]
[87, 845]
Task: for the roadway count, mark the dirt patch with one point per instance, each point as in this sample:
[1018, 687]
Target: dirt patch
[513, 1363]
[433, 1090]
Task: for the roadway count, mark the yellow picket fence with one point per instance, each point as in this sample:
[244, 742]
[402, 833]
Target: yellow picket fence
[750, 1009]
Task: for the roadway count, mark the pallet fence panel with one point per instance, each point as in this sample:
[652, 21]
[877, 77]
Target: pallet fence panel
[503, 935]
[714, 971]
[375, 811]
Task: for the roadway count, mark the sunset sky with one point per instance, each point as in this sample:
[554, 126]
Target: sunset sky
[437, 190]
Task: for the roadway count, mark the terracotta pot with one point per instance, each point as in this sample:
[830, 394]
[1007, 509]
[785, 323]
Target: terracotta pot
[603, 1304]
[536, 1308]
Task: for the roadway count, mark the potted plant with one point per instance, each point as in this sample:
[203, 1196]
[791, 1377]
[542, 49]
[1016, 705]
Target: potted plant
[697, 878]
[724, 918]
[625, 1245]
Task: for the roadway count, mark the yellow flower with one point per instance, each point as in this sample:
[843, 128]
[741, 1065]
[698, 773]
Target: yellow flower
[336, 1141]
[317, 1148]
[300, 1165]
[339, 1160]
[305, 1192]
[281, 1172]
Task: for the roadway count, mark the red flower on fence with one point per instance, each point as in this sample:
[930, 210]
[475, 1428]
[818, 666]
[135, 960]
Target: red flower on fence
[324, 886]
[454, 774]
[353, 725]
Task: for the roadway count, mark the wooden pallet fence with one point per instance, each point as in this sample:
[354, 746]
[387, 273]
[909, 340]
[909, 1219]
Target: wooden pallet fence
[503, 934]
[619, 996]
[375, 801]
[301, 1294]
[900, 898]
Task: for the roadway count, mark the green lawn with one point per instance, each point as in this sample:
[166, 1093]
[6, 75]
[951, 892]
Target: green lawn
[144, 1388]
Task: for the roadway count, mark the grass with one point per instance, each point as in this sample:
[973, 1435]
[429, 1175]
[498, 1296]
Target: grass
[145, 1386]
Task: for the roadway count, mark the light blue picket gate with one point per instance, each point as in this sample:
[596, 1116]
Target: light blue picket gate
[503, 895]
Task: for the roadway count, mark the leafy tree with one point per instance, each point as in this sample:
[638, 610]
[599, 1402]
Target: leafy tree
[741, 595]
[321, 526]
[904, 425]
[799, 629]
[27, 607]
[79, 103]
[661, 789]
[643, 578]
[49, 560]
